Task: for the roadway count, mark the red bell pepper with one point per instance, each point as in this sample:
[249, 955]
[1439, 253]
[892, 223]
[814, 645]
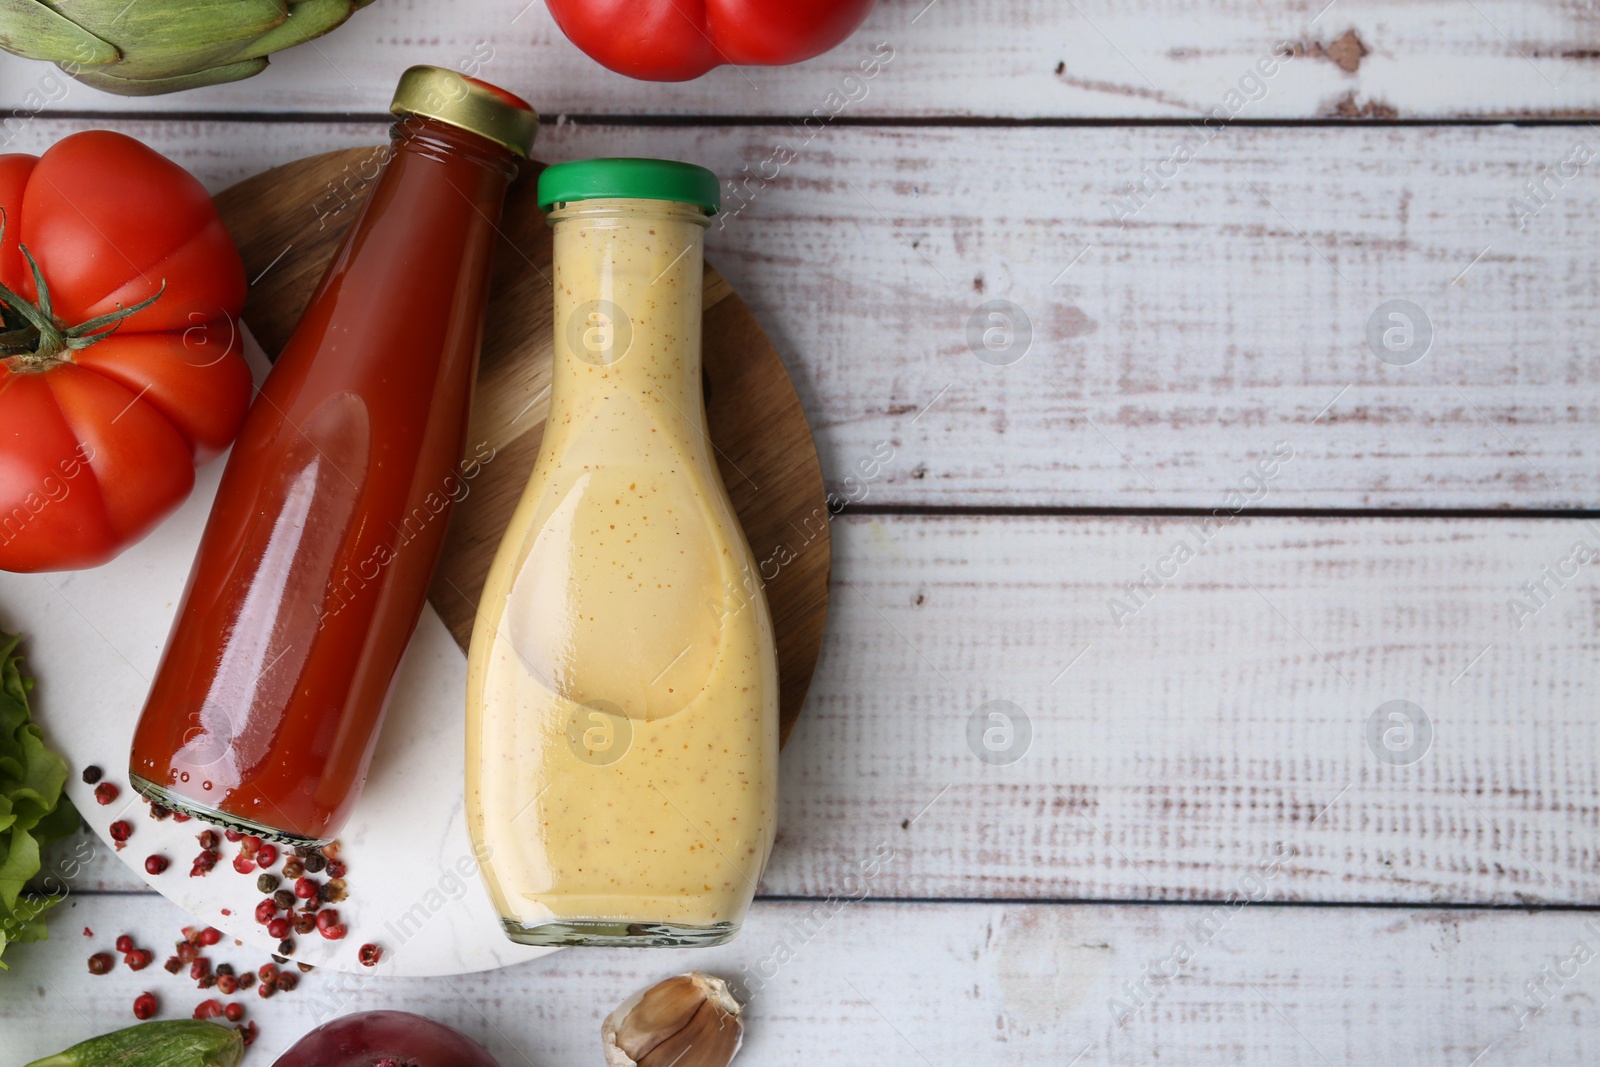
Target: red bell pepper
[676, 40]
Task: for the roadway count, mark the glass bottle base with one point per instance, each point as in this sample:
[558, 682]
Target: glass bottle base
[613, 933]
[158, 794]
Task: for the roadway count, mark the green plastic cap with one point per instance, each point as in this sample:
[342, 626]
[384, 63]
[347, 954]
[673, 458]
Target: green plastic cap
[629, 179]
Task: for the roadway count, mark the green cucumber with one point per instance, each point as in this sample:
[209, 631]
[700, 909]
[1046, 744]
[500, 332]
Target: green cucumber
[176, 1043]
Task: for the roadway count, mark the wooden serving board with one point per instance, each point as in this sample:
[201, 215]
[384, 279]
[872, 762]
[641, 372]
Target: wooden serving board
[288, 222]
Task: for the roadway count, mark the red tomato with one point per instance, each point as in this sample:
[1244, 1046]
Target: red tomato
[675, 40]
[99, 443]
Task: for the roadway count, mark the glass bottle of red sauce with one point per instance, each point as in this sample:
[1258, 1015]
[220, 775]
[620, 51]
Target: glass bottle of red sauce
[316, 559]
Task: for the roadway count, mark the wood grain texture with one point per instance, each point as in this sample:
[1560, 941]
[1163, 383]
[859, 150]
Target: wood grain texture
[289, 221]
[1012, 58]
[862, 985]
[1230, 313]
[1226, 717]
[1223, 712]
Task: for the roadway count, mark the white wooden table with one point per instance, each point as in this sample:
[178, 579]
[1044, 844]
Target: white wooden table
[1204, 853]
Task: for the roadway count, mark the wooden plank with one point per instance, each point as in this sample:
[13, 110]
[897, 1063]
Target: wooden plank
[1017, 58]
[946, 984]
[1226, 719]
[1230, 313]
[1220, 709]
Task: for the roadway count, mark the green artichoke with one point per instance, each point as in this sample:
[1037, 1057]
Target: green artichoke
[145, 47]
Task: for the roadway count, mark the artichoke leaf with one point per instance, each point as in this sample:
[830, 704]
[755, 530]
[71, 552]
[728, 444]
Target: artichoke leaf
[34, 31]
[228, 72]
[307, 19]
[162, 39]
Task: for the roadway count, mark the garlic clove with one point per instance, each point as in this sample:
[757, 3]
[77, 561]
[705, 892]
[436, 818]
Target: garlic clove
[656, 1013]
[710, 1039]
[690, 1020]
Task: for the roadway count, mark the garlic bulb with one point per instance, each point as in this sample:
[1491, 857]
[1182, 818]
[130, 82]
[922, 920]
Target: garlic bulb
[690, 1020]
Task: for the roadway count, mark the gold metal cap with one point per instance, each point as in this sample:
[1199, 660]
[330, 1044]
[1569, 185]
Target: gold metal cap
[469, 104]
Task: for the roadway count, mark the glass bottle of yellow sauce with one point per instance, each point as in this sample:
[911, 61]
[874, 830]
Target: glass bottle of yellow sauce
[622, 694]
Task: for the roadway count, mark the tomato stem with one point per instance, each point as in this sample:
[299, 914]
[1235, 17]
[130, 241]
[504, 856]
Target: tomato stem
[41, 338]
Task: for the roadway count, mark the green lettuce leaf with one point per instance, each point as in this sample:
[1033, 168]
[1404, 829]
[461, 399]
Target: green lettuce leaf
[33, 809]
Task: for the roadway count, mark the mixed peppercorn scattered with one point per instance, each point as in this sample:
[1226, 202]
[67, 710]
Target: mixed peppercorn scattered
[222, 978]
[295, 903]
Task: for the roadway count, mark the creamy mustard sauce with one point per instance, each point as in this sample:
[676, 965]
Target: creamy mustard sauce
[622, 684]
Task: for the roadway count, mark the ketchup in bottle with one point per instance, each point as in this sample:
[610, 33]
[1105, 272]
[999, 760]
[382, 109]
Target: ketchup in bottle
[316, 559]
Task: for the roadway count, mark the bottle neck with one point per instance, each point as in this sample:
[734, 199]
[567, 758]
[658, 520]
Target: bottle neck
[410, 180]
[628, 293]
[419, 135]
